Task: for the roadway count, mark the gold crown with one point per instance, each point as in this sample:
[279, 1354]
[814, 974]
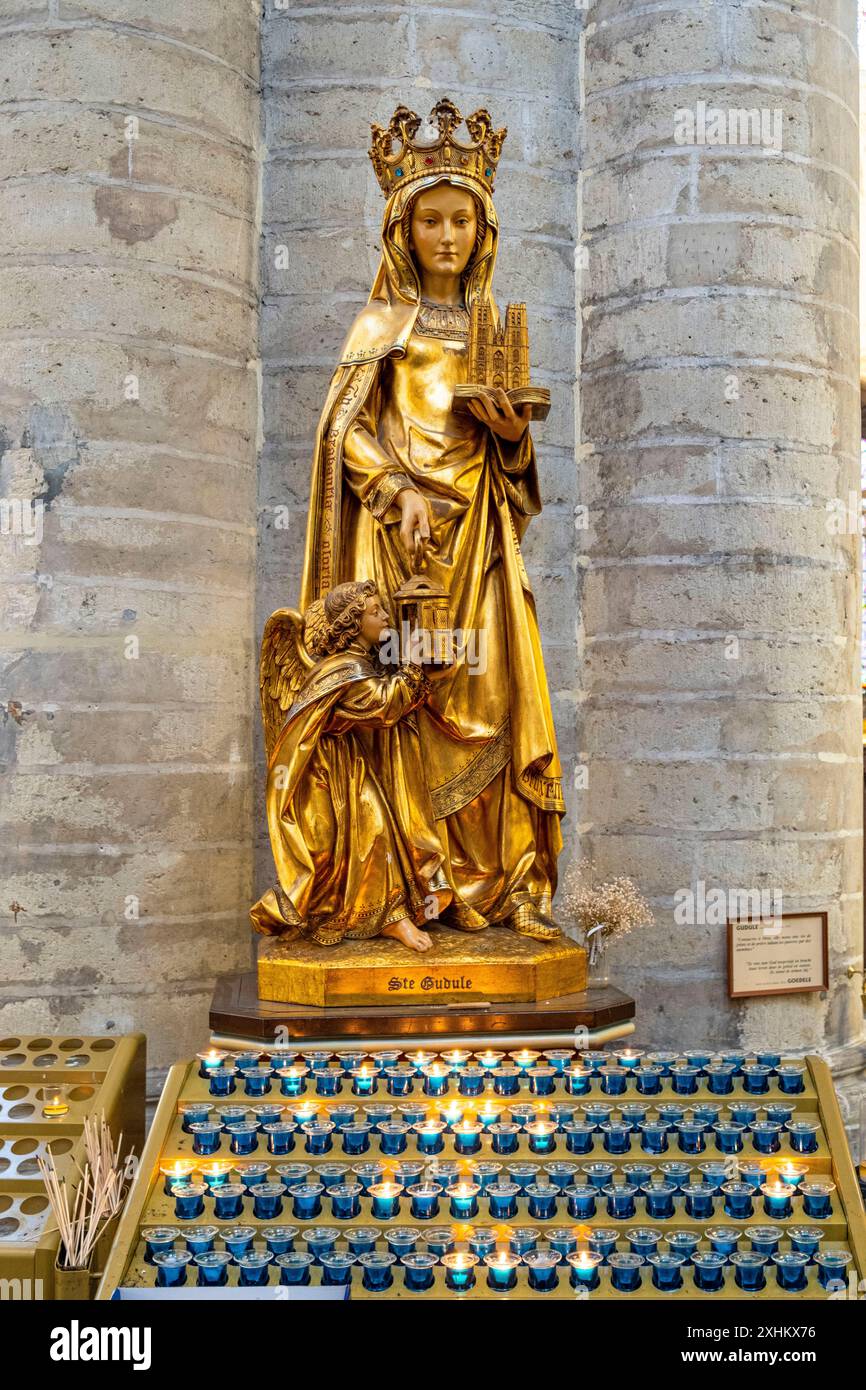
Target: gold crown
[398, 160]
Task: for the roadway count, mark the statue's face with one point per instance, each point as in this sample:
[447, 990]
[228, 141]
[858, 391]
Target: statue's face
[443, 228]
[374, 621]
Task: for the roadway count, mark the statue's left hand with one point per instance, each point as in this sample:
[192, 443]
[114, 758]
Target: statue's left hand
[500, 415]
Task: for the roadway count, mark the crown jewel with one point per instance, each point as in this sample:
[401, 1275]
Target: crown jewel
[398, 159]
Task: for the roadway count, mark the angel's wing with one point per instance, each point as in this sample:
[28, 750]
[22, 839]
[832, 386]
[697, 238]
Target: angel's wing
[283, 665]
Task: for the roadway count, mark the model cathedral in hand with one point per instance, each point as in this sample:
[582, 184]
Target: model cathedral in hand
[397, 795]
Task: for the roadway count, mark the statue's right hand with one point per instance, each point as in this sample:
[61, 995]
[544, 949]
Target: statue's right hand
[414, 516]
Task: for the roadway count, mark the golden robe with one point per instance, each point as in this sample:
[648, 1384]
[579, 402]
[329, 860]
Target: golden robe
[486, 735]
[351, 827]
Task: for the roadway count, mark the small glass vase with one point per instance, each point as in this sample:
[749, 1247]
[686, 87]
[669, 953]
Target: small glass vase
[595, 942]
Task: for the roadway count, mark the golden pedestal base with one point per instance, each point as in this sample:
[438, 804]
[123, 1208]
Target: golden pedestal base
[494, 964]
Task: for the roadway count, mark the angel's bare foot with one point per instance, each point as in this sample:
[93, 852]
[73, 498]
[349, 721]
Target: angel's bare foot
[409, 935]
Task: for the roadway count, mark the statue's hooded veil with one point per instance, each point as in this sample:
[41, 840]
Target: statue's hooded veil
[382, 327]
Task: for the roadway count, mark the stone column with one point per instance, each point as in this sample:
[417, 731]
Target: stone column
[327, 75]
[128, 416]
[720, 460]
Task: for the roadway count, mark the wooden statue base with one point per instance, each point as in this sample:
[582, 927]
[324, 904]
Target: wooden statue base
[495, 965]
[590, 1018]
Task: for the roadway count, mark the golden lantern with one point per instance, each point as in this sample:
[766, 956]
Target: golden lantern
[423, 612]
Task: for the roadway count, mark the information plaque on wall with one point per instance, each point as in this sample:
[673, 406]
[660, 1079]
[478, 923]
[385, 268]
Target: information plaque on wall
[778, 955]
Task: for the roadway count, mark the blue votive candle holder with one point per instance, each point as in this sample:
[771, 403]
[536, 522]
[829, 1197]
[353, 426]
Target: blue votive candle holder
[523, 1174]
[790, 1077]
[291, 1173]
[188, 1200]
[228, 1201]
[659, 1200]
[400, 1080]
[345, 1200]
[362, 1239]
[671, 1112]
[765, 1137]
[581, 1199]
[562, 1238]
[752, 1171]
[684, 1079]
[748, 1270]
[280, 1240]
[578, 1080]
[764, 1240]
[667, 1271]
[439, 1240]
[205, 1136]
[459, 1268]
[523, 1113]
[292, 1079]
[603, 1239]
[193, 1112]
[409, 1170]
[723, 1239]
[210, 1061]
[418, 1270]
[444, 1171]
[817, 1199]
[595, 1058]
[542, 1201]
[675, 1171]
[654, 1137]
[638, 1172]
[579, 1137]
[329, 1081]
[484, 1173]
[294, 1267]
[243, 1137]
[599, 1174]
[614, 1080]
[560, 1172]
[803, 1136]
[720, 1078]
[238, 1240]
[393, 1138]
[412, 1112]
[768, 1059]
[642, 1240]
[321, 1240]
[319, 1136]
[471, 1080]
[437, 1078]
[616, 1137]
[377, 1266]
[482, 1240]
[428, 1136]
[502, 1270]
[756, 1078]
[257, 1081]
[543, 1269]
[463, 1200]
[542, 1081]
[743, 1112]
[306, 1200]
[691, 1136]
[620, 1200]
[337, 1267]
[467, 1137]
[633, 1113]
[171, 1268]
[832, 1269]
[738, 1199]
[158, 1240]
[317, 1060]
[683, 1243]
[457, 1058]
[281, 1137]
[365, 1081]
[254, 1268]
[356, 1138]
[648, 1079]
[401, 1240]
[222, 1081]
[777, 1200]
[212, 1266]
[709, 1270]
[522, 1239]
[584, 1267]
[700, 1200]
[506, 1081]
[625, 1271]
[502, 1199]
[560, 1058]
[251, 1174]
[268, 1114]
[729, 1136]
[714, 1172]
[806, 1239]
[542, 1136]
[385, 1199]
[232, 1115]
[708, 1110]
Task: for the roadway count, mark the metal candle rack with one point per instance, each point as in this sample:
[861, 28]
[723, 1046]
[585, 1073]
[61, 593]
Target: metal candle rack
[380, 1172]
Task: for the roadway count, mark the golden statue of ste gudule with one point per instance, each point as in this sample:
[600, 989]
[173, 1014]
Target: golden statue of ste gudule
[408, 791]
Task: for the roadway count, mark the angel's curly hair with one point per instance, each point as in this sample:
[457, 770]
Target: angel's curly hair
[332, 622]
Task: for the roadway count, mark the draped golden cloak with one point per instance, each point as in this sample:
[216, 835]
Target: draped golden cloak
[486, 732]
[351, 826]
